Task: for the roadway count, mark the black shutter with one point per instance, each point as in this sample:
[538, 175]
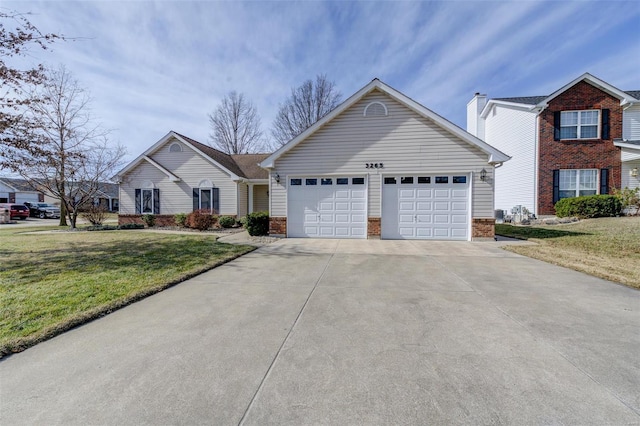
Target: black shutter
[556, 186]
[196, 199]
[604, 181]
[606, 127]
[138, 201]
[156, 201]
[556, 126]
[215, 192]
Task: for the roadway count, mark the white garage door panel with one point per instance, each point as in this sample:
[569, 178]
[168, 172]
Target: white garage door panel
[420, 208]
[326, 211]
[21, 198]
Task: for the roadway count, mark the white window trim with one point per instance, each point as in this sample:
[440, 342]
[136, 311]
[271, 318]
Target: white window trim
[577, 190]
[579, 124]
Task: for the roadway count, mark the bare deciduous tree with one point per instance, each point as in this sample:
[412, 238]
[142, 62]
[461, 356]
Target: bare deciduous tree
[16, 84]
[306, 105]
[68, 155]
[236, 125]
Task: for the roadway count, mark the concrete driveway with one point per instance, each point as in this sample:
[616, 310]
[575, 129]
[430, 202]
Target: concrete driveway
[348, 332]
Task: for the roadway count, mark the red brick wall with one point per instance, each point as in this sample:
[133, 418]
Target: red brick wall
[483, 228]
[577, 154]
[373, 227]
[277, 226]
[161, 219]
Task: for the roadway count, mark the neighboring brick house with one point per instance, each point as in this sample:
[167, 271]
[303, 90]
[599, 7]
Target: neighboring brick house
[582, 139]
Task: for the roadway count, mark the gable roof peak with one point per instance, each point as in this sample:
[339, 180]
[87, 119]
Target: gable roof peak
[494, 155]
[624, 97]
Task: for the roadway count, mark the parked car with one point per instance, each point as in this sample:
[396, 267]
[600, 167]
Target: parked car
[17, 211]
[43, 210]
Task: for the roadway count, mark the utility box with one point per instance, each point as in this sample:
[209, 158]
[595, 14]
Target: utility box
[5, 215]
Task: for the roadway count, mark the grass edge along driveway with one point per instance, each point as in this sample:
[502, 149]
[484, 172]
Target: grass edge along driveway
[52, 282]
[608, 248]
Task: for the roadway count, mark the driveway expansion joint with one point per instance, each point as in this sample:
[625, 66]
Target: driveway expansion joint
[285, 340]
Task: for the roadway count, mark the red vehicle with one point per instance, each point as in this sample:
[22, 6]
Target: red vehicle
[17, 210]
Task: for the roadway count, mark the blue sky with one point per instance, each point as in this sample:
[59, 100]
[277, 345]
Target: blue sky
[152, 67]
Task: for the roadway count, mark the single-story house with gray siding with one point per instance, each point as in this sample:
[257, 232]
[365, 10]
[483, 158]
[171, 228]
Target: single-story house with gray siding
[381, 165]
[179, 174]
[18, 191]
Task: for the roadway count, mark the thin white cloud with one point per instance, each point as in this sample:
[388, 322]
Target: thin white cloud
[157, 66]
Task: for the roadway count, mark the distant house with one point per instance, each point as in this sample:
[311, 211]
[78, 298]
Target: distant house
[178, 175]
[582, 139]
[108, 196]
[18, 191]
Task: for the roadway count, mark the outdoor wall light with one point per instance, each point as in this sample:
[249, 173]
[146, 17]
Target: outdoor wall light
[483, 175]
[277, 178]
[634, 172]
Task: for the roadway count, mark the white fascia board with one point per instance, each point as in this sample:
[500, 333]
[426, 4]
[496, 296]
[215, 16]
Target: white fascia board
[269, 162]
[4, 182]
[624, 144]
[171, 176]
[232, 175]
[492, 102]
[495, 156]
[594, 81]
[147, 152]
[160, 143]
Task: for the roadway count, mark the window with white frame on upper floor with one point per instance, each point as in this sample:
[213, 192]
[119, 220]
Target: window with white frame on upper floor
[580, 124]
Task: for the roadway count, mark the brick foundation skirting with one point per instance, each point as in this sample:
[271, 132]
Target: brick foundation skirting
[483, 227]
[373, 227]
[277, 226]
[161, 219]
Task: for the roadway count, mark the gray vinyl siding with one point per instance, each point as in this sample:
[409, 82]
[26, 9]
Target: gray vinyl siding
[177, 197]
[403, 141]
[261, 198]
[243, 199]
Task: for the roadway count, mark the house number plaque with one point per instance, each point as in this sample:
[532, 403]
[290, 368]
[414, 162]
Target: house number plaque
[374, 165]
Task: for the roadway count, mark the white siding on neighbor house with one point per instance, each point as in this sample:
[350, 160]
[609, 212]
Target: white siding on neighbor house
[475, 124]
[631, 123]
[513, 131]
[629, 181]
[403, 141]
[261, 198]
[177, 197]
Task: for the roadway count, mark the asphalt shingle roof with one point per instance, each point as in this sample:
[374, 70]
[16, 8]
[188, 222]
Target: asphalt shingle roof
[534, 100]
[528, 100]
[19, 184]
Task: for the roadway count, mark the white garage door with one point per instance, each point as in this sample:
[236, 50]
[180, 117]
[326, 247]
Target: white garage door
[21, 197]
[327, 207]
[425, 207]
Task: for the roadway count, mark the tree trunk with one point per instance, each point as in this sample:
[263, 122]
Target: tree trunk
[73, 217]
[63, 215]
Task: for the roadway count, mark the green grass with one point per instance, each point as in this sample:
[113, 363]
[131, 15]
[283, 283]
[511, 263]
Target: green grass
[608, 248]
[51, 282]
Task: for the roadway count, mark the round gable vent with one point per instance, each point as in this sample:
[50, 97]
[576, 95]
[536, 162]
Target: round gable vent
[375, 109]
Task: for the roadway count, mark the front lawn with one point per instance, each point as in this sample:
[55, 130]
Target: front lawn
[50, 282]
[606, 247]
